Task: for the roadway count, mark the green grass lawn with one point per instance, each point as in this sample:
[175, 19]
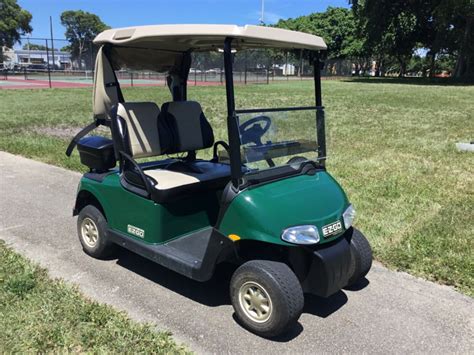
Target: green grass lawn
[59, 319]
[391, 146]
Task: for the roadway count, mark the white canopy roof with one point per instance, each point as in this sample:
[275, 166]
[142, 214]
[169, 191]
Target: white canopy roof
[209, 37]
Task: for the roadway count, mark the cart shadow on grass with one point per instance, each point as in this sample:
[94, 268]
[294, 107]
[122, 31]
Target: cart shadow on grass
[219, 284]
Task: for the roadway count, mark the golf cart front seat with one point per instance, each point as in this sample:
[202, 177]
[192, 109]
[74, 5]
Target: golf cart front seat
[140, 130]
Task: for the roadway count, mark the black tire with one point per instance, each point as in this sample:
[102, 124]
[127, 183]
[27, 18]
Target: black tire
[102, 248]
[361, 257]
[282, 288]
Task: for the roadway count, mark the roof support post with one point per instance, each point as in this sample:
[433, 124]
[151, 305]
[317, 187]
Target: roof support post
[232, 127]
[320, 119]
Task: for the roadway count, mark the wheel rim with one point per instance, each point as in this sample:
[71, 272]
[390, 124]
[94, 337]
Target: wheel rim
[255, 302]
[89, 232]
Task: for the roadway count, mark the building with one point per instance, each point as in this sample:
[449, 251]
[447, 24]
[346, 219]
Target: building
[23, 57]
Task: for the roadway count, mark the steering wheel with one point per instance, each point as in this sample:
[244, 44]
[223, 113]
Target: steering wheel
[251, 131]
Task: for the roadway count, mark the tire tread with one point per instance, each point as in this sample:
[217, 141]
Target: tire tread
[288, 285]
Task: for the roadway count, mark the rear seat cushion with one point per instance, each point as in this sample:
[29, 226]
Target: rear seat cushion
[169, 184]
[190, 128]
[167, 179]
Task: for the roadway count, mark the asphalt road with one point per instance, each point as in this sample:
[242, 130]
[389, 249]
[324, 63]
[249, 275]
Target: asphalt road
[391, 313]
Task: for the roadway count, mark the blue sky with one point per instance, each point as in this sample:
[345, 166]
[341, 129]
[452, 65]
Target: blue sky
[121, 13]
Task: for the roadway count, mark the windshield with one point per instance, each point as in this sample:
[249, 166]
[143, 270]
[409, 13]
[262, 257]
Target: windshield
[277, 138]
[277, 125]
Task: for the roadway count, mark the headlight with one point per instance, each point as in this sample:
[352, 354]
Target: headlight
[348, 216]
[303, 235]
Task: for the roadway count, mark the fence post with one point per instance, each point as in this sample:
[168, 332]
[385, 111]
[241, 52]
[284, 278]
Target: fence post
[52, 40]
[195, 77]
[301, 64]
[245, 68]
[47, 60]
[268, 71]
[131, 78]
[273, 70]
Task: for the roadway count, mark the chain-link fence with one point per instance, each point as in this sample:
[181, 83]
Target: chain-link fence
[43, 59]
[59, 61]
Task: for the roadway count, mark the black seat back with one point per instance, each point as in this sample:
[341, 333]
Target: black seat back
[190, 129]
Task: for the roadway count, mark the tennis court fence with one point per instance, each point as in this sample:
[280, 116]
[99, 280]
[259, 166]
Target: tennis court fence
[58, 61]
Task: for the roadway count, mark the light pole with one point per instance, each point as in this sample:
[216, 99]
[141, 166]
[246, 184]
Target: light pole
[262, 22]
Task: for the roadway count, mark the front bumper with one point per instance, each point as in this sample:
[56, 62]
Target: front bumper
[330, 268]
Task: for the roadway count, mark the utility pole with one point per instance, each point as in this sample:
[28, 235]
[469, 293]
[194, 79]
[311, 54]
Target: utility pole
[52, 40]
[28, 40]
[262, 19]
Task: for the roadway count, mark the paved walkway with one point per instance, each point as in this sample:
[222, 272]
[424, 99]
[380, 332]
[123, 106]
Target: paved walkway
[393, 313]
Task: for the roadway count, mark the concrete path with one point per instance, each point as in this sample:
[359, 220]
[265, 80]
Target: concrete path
[392, 313]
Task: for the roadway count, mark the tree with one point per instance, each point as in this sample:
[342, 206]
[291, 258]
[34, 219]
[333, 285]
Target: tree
[454, 24]
[395, 28]
[392, 27]
[336, 25]
[14, 22]
[34, 47]
[81, 28]
[339, 29]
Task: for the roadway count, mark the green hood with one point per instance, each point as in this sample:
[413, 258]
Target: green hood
[263, 212]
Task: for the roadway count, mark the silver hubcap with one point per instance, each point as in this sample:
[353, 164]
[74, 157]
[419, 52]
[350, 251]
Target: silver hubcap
[89, 232]
[255, 302]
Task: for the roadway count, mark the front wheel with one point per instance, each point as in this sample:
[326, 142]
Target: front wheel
[361, 257]
[267, 297]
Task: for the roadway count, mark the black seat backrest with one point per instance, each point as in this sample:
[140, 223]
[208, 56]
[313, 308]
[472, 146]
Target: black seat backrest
[190, 128]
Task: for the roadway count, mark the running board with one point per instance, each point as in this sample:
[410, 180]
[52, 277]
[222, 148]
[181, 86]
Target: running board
[194, 255]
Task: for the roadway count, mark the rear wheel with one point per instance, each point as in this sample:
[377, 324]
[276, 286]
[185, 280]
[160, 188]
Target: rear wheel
[267, 297]
[92, 229]
[361, 257]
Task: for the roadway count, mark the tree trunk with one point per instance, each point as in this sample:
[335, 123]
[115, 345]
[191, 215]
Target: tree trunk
[403, 67]
[381, 68]
[81, 50]
[465, 63]
[365, 66]
[356, 68]
[432, 64]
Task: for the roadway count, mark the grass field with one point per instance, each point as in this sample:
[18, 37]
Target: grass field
[391, 145]
[60, 320]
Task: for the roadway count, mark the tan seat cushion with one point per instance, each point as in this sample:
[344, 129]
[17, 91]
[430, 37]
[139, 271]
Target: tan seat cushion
[167, 179]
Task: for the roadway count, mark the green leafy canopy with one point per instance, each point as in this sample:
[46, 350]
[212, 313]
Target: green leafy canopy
[14, 22]
[81, 28]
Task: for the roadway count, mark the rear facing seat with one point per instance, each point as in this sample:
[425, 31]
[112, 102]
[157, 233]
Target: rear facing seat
[142, 130]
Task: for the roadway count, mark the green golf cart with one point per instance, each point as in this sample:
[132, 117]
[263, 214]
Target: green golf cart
[261, 201]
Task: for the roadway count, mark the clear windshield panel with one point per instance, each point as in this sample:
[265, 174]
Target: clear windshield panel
[274, 139]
